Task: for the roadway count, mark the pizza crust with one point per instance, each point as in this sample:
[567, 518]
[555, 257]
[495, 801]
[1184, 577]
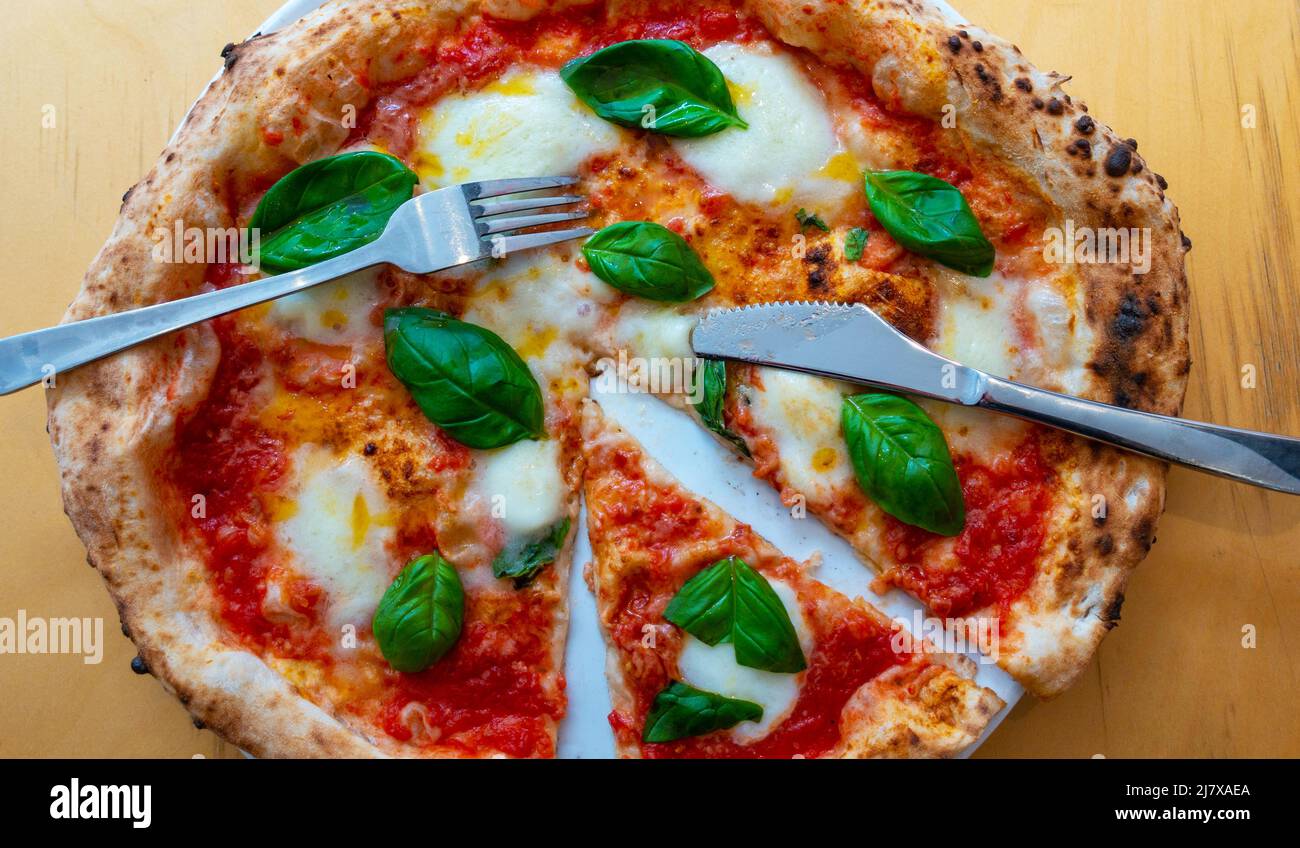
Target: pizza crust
[109, 421]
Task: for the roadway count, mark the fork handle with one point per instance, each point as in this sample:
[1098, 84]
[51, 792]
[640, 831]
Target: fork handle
[1261, 459]
[30, 358]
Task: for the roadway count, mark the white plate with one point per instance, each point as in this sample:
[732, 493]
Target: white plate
[707, 468]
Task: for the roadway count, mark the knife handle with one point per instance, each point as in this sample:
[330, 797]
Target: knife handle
[1260, 459]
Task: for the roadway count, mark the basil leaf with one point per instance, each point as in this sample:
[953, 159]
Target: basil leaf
[901, 460]
[329, 207]
[804, 217]
[649, 261]
[731, 602]
[680, 711]
[464, 378]
[525, 561]
[661, 85]
[711, 389]
[855, 243]
[930, 217]
[420, 616]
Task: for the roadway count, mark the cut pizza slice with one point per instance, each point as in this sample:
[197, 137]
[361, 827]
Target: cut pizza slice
[1050, 524]
[719, 646]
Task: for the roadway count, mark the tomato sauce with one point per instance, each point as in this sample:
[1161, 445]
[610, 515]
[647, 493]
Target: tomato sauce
[224, 456]
[1007, 508]
[487, 692]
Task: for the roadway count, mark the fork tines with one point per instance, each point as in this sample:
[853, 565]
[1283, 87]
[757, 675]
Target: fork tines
[489, 215]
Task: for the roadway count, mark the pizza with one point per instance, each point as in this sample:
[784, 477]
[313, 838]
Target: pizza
[341, 524]
[843, 684]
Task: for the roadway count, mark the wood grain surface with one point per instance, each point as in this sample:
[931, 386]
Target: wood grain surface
[90, 90]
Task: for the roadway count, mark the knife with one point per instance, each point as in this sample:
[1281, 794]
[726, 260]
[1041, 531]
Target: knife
[852, 343]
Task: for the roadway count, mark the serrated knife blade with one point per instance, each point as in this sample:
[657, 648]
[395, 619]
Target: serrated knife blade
[852, 343]
[842, 341]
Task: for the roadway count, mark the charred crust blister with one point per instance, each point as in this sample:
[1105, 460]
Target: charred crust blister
[819, 258]
[1119, 160]
[1144, 534]
[1111, 615]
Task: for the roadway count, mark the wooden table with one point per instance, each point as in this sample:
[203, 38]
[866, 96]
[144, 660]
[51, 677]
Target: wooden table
[93, 88]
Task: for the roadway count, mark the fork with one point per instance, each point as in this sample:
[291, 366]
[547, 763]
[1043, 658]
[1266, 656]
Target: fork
[432, 232]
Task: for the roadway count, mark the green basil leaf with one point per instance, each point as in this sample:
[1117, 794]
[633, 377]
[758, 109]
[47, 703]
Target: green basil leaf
[902, 462]
[711, 390]
[524, 561]
[731, 602]
[329, 207]
[680, 711]
[855, 243]
[930, 217]
[805, 218]
[661, 85]
[464, 378]
[421, 615]
[649, 261]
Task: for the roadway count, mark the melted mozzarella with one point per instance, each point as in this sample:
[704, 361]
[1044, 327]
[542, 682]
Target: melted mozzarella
[714, 669]
[802, 415]
[337, 531]
[522, 485]
[975, 432]
[336, 313]
[790, 153]
[976, 326]
[648, 330]
[534, 301]
[526, 124]
[654, 348]
[1066, 340]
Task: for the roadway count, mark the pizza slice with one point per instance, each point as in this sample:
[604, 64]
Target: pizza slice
[720, 646]
[1044, 521]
